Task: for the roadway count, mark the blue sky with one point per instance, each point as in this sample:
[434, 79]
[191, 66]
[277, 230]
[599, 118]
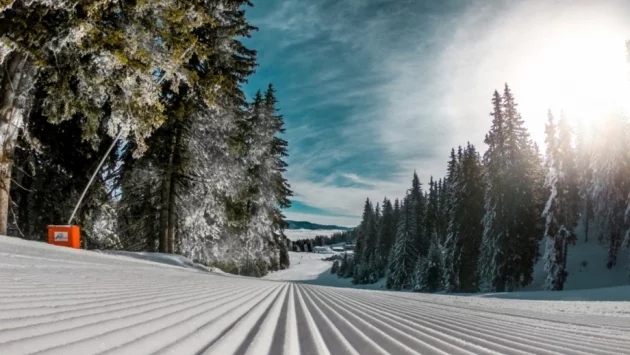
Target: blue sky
[373, 89]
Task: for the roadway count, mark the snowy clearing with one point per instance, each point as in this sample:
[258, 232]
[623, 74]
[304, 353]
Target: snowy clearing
[304, 266]
[56, 300]
[309, 268]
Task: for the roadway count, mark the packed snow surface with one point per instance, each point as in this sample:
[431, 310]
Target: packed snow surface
[56, 300]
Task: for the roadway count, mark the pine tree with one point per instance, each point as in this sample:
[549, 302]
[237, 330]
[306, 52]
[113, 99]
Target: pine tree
[403, 255]
[461, 249]
[362, 229]
[386, 235]
[512, 203]
[443, 210]
[105, 63]
[561, 212]
[585, 177]
[366, 246]
[396, 212]
[428, 272]
[418, 215]
[474, 212]
[610, 184]
[432, 214]
[277, 186]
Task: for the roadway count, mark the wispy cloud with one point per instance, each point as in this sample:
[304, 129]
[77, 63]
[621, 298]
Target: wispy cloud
[373, 89]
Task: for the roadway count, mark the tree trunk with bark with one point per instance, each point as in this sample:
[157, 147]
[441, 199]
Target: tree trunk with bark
[172, 207]
[165, 203]
[149, 226]
[17, 81]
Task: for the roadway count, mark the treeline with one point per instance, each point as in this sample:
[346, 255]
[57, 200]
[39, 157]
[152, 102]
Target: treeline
[196, 168]
[307, 244]
[480, 227]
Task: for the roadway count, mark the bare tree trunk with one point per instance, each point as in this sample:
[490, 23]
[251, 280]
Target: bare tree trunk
[165, 243]
[172, 217]
[14, 94]
[172, 206]
[586, 217]
[164, 213]
[148, 221]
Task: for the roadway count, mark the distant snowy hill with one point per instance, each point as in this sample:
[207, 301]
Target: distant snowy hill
[298, 234]
[306, 230]
[314, 226]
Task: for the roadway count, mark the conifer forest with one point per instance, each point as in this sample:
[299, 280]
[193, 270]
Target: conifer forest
[196, 168]
[484, 226]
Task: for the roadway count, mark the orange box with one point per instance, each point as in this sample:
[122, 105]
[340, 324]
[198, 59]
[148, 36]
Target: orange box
[65, 236]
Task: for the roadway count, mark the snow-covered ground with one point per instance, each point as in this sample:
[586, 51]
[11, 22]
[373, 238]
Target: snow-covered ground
[304, 266]
[168, 259]
[586, 264]
[55, 300]
[310, 268]
[297, 234]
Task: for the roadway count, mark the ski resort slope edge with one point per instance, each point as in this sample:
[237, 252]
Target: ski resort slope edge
[62, 301]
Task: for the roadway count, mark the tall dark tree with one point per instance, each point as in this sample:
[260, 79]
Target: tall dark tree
[362, 235]
[610, 184]
[443, 209]
[404, 254]
[279, 184]
[512, 202]
[561, 210]
[465, 229]
[432, 214]
[418, 214]
[585, 177]
[386, 234]
[428, 276]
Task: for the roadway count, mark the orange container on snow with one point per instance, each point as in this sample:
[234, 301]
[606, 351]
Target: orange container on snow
[65, 236]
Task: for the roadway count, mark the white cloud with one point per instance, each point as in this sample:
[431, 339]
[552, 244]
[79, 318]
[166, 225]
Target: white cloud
[435, 85]
[346, 200]
[323, 219]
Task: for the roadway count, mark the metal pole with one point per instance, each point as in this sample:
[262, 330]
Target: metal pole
[98, 168]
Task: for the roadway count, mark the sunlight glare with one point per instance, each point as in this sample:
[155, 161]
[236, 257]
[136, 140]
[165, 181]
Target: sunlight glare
[581, 71]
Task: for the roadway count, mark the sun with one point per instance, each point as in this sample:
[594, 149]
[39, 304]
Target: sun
[581, 71]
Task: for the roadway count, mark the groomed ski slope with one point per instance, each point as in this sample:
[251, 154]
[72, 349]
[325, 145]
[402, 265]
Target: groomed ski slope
[60, 301]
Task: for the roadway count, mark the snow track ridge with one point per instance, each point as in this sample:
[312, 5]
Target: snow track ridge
[59, 301]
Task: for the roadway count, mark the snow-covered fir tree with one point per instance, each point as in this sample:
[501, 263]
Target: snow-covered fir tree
[431, 214]
[404, 254]
[561, 209]
[386, 235]
[461, 249]
[416, 199]
[610, 183]
[511, 234]
[429, 271]
[585, 177]
[366, 267]
[104, 64]
[197, 171]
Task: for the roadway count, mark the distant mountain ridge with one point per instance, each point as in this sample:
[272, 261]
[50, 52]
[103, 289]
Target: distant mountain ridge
[313, 226]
